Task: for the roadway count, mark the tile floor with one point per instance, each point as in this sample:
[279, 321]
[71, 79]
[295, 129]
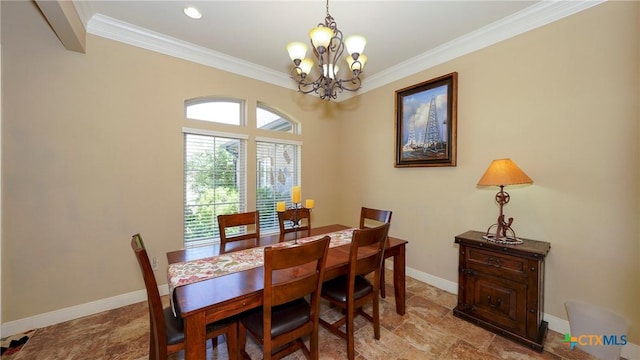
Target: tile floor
[428, 331]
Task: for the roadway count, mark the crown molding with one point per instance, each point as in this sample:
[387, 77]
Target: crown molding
[540, 14]
[535, 16]
[117, 30]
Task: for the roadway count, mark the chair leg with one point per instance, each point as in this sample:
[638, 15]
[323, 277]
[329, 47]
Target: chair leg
[313, 344]
[383, 288]
[350, 340]
[376, 317]
[152, 342]
[242, 342]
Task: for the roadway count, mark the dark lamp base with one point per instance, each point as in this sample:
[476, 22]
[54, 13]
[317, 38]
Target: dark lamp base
[502, 234]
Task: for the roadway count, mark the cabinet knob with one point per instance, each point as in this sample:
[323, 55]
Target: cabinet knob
[533, 268]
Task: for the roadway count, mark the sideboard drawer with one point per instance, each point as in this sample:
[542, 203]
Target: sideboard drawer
[497, 264]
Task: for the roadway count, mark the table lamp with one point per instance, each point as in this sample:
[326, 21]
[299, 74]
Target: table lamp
[503, 172]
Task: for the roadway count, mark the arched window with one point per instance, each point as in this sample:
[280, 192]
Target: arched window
[269, 119]
[219, 110]
[215, 169]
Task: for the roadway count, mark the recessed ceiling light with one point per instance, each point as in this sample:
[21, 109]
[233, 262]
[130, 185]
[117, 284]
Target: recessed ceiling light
[192, 12]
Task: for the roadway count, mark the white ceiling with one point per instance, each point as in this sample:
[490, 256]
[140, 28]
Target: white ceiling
[249, 37]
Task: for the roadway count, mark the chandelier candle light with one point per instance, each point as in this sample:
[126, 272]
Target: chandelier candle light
[500, 173]
[328, 48]
[296, 204]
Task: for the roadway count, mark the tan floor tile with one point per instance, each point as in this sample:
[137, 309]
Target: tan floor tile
[424, 337]
[507, 349]
[427, 331]
[462, 350]
[389, 318]
[424, 308]
[466, 331]
[390, 346]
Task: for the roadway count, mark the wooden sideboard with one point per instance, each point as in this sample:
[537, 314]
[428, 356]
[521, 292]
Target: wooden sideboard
[501, 287]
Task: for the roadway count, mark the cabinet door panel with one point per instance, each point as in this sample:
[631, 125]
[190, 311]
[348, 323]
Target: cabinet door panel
[498, 301]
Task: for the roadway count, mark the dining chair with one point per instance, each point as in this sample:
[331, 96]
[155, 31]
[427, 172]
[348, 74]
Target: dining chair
[371, 218]
[233, 228]
[352, 291]
[294, 220]
[166, 329]
[290, 274]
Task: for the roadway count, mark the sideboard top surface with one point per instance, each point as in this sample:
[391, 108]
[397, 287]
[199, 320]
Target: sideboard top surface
[532, 247]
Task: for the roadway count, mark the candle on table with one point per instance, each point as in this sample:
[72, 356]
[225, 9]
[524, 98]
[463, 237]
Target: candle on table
[280, 206]
[295, 194]
[309, 203]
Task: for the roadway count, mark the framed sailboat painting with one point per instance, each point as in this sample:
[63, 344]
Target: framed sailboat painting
[426, 123]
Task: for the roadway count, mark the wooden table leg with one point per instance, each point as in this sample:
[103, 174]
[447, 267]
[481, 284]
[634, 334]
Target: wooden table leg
[195, 336]
[399, 283]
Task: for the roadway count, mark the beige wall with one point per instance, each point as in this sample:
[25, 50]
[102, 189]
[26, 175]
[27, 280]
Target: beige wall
[562, 102]
[91, 153]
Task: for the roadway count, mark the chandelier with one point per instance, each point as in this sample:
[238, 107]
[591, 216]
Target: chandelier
[328, 47]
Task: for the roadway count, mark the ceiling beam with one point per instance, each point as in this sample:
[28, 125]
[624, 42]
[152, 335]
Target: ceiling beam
[65, 22]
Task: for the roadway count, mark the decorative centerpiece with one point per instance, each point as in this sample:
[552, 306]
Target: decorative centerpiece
[296, 205]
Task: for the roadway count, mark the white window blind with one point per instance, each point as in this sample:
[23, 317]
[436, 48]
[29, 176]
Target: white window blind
[214, 183]
[278, 170]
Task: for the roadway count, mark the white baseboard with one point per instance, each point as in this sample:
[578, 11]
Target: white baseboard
[78, 311]
[629, 351]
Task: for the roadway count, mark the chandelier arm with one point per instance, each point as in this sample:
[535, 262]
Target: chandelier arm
[352, 84]
[327, 85]
[303, 83]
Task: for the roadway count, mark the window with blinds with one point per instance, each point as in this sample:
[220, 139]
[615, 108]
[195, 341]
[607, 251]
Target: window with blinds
[278, 169]
[215, 166]
[214, 182]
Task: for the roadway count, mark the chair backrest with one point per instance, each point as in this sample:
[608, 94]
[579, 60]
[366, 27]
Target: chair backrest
[292, 272]
[373, 217]
[156, 314]
[291, 217]
[367, 252]
[237, 220]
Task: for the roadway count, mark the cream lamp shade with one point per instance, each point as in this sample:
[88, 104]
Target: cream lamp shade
[321, 37]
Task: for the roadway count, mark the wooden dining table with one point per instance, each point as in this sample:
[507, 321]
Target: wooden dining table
[221, 297]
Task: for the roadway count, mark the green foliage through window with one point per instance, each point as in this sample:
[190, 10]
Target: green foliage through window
[214, 183]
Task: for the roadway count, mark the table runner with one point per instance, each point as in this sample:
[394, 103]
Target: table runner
[189, 272]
